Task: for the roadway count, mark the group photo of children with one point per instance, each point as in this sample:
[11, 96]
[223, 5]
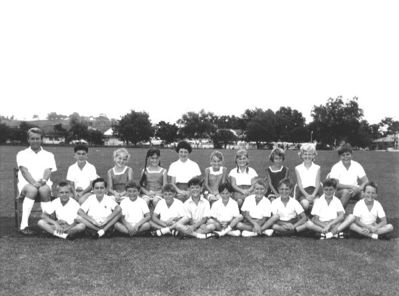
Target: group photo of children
[183, 202]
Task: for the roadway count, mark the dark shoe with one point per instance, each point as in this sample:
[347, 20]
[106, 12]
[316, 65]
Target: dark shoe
[26, 231]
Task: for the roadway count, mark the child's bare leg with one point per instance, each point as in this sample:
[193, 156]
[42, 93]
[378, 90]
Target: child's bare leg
[43, 224]
[345, 196]
[384, 229]
[78, 228]
[87, 223]
[121, 228]
[360, 230]
[313, 227]
[244, 226]
[345, 224]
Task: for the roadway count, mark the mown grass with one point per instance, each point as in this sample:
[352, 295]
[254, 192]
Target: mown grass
[42, 265]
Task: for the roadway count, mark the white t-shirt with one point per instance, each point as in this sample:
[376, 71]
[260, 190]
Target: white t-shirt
[325, 211]
[225, 213]
[308, 175]
[243, 178]
[184, 171]
[134, 211]
[197, 212]
[286, 212]
[36, 163]
[257, 211]
[347, 176]
[67, 212]
[176, 210]
[81, 177]
[98, 210]
[367, 216]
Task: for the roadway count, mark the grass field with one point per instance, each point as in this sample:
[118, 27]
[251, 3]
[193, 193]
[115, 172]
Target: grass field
[41, 265]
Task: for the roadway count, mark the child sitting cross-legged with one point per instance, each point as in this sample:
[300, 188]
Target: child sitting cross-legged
[135, 213]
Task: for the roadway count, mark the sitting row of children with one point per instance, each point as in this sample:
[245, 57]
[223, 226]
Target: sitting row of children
[100, 214]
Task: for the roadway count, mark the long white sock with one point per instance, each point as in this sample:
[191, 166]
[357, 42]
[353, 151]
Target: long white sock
[27, 206]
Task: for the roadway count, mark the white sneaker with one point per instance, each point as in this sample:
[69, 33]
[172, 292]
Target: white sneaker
[268, 232]
[329, 235]
[100, 233]
[374, 236]
[61, 235]
[246, 233]
[234, 233]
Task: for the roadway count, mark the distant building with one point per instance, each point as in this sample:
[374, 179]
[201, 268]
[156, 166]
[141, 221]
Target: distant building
[110, 139]
[387, 143]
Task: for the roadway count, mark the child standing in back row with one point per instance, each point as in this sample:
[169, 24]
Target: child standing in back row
[242, 177]
[276, 172]
[153, 177]
[214, 176]
[120, 175]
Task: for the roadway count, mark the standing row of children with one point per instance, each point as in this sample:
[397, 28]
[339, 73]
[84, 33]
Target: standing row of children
[264, 208]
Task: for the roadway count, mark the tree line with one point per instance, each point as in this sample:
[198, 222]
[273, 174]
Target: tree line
[332, 123]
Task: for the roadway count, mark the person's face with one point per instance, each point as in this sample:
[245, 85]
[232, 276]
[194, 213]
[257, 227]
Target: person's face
[121, 160]
[81, 156]
[183, 154]
[216, 163]
[153, 160]
[277, 160]
[259, 190]
[346, 157]
[370, 193]
[284, 191]
[195, 190]
[132, 193]
[34, 141]
[168, 196]
[307, 156]
[242, 160]
[328, 191]
[225, 194]
[99, 189]
[64, 193]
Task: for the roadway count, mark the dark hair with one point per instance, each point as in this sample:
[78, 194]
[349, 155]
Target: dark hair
[345, 148]
[226, 185]
[330, 182]
[64, 184]
[285, 181]
[276, 152]
[150, 152]
[184, 145]
[98, 180]
[371, 184]
[81, 146]
[132, 185]
[261, 182]
[169, 188]
[195, 181]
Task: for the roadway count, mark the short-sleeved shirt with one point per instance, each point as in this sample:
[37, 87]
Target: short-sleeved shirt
[99, 210]
[347, 176]
[325, 211]
[67, 212]
[286, 212]
[134, 211]
[225, 213]
[81, 177]
[308, 175]
[197, 212]
[258, 210]
[367, 216]
[184, 171]
[36, 163]
[243, 178]
[176, 210]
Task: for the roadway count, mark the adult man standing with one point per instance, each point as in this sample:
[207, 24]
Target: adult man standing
[35, 167]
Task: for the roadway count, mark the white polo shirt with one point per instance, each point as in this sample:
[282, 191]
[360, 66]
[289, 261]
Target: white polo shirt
[286, 212]
[347, 176]
[134, 211]
[257, 211]
[308, 175]
[67, 212]
[81, 177]
[367, 216]
[325, 211]
[243, 178]
[184, 171]
[176, 210]
[197, 212]
[36, 163]
[225, 213]
[98, 210]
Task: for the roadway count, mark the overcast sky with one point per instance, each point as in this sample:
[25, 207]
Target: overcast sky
[171, 57]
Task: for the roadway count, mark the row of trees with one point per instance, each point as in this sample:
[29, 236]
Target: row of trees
[333, 122]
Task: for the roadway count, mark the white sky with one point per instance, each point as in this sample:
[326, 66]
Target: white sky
[171, 57]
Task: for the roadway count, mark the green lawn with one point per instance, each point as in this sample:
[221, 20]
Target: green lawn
[42, 265]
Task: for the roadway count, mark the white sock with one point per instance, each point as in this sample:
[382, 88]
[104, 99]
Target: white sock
[374, 236]
[101, 232]
[268, 232]
[200, 235]
[165, 230]
[62, 235]
[27, 206]
[234, 233]
[329, 235]
[246, 233]
[46, 206]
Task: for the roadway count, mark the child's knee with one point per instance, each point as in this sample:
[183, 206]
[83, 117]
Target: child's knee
[305, 204]
[42, 223]
[30, 191]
